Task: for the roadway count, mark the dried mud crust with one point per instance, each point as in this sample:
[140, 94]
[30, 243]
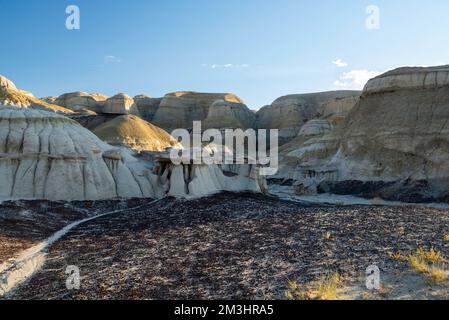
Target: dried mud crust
[26, 223]
[228, 246]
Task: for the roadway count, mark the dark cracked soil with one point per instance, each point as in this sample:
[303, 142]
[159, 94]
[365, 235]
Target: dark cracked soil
[227, 246]
[26, 223]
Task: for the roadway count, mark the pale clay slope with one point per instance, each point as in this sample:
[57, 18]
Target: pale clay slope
[47, 156]
[80, 100]
[290, 113]
[135, 133]
[173, 111]
[44, 155]
[11, 95]
[6, 84]
[398, 131]
[224, 114]
[218, 110]
[409, 78]
[147, 106]
[180, 109]
[120, 104]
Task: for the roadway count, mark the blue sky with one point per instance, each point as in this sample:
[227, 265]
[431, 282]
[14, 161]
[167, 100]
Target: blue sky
[258, 49]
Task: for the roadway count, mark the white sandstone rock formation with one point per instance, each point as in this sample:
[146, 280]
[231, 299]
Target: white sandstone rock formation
[409, 78]
[291, 154]
[6, 84]
[48, 156]
[11, 95]
[200, 180]
[147, 106]
[77, 101]
[180, 109]
[224, 114]
[340, 107]
[290, 113]
[394, 143]
[50, 99]
[132, 132]
[120, 104]
[44, 155]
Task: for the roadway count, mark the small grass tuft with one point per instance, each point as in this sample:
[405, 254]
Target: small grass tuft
[328, 236]
[418, 264]
[328, 286]
[429, 263]
[437, 275]
[446, 238]
[294, 292]
[324, 289]
[398, 256]
[431, 256]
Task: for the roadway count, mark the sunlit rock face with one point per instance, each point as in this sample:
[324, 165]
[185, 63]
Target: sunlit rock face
[11, 95]
[340, 107]
[44, 155]
[224, 114]
[200, 180]
[180, 109]
[290, 113]
[48, 156]
[394, 142]
[137, 134]
[400, 127]
[6, 84]
[120, 104]
[409, 78]
[314, 142]
[77, 101]
[147, 106]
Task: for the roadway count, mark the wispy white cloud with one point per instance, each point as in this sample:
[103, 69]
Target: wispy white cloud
[111, 59]
[226, 66]
[355, 79]
[340, 63]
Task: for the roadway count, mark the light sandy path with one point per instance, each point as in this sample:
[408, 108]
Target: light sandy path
[22, 268]
[288, 193]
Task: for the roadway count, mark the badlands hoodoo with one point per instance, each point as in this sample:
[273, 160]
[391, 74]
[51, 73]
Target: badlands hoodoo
[394, 143]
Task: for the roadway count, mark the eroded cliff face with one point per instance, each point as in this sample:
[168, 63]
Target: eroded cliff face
[409, 78]
[290, 113]
[48, 156]
[224, 114]
[44, 155]
[147, 106]
[120, 104]
[11, 95]
[394, 143]
[180, 109]
[78, 101]
[137, 134]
